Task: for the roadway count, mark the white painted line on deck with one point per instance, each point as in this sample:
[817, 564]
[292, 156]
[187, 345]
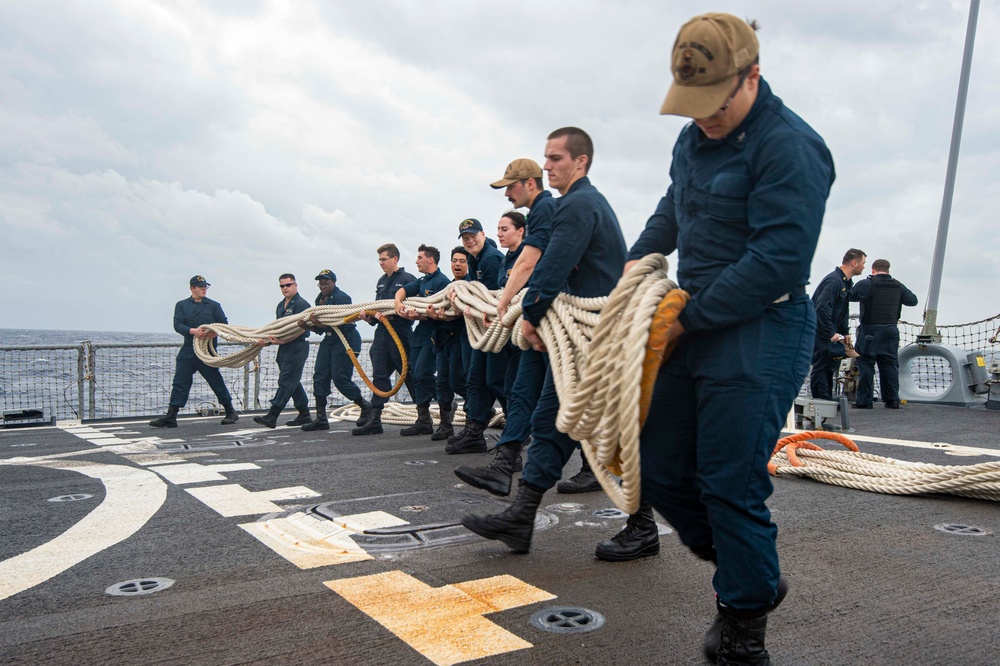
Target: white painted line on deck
[182, 473]
[951, 449]
[131, 498]
[147, 459]
[235, 500]
[444, 624]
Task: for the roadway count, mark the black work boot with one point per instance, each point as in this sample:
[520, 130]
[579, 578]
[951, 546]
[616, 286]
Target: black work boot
[514, 525]
[445, 429]
[366, 412]
[496, 477]
[742, 642]
[424, 425]
[639, 538]
[231, 416]
[302, 419]
[713, 637]
[321, 422]
[372, 426]
[460, 435]
[583, 481]
[472, 442]
[168, 421]
[270, 419]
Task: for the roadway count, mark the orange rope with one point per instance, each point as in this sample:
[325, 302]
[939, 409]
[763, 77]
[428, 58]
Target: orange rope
[801, 441]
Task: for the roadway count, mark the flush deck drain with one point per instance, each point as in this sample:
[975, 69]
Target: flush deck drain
[610, 513]
[76, 497]
[567, 620]
[421, 462]
[131, 588]
[963, 530]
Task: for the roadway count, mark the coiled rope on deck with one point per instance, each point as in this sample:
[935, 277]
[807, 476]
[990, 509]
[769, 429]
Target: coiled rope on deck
[597, 351]
[797, 455]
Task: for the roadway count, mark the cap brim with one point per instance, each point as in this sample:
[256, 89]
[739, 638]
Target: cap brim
[500, 184]
[697, 101]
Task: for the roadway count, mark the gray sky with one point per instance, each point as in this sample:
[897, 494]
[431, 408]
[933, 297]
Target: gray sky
[144, 142]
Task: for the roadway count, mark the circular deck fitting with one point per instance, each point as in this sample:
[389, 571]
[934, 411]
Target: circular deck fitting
[567, 620]
[421, 462]
[566, 507]
[413, 508]
[70, 498]
[131, 588]
[962, 530]
[610, 513]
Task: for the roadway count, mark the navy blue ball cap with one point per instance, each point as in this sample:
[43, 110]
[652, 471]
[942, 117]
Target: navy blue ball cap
[326, 274]
[199, 281]
[469, 226]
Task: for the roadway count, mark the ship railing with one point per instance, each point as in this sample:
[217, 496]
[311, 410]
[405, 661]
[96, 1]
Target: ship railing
[98, 381]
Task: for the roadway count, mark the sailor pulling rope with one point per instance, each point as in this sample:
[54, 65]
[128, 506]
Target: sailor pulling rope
[597, 349]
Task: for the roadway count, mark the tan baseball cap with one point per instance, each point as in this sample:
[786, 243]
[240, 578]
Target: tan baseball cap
[708, 56]
[518, 170]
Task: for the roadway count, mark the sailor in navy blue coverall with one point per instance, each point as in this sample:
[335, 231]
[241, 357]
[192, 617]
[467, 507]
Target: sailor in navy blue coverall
[189, 314]
[332, 361]
[291, 358]
[831, 299]
[422, 354]
[749, 183]
[384, 353]
[484, 266]
[585, 257]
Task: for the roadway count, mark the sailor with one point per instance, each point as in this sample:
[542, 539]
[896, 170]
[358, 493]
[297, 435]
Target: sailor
[384, 353]
[743, 211]
[833, 341]
[189, 315]
[585, 257]
[422, 356]
[522, 185]
[291, 358]
[882, 297]
[332, 361]
[447, 337]
[484, 266]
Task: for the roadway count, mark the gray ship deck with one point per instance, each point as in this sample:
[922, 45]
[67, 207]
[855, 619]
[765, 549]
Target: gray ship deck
[872, 580]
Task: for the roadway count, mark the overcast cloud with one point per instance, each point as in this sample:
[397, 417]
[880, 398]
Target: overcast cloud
[144, 142]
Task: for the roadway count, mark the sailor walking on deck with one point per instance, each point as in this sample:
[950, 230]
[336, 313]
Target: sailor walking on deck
[189, 314]
[749, 182]
[882, 297]
[384, 354]
[291, 358]
[332, 361]
[423, 359]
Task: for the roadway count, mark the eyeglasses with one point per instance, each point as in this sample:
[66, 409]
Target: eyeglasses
[739, 85]
[286, 286]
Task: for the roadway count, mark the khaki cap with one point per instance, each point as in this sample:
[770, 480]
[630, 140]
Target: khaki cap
[518, 170]
[708, 56]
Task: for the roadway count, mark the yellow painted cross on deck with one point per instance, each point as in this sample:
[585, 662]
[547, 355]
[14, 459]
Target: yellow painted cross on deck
[445, 624]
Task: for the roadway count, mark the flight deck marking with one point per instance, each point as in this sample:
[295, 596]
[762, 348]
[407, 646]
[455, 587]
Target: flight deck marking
[131, 498]
[182, 473]
[234, 500]
[308, 541]
[444, 624]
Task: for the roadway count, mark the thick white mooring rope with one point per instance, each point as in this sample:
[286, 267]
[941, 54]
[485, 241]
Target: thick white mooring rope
[865, 471]
[596, 348]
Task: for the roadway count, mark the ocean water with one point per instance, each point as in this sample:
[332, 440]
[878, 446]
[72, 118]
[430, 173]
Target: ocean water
[125, 380]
